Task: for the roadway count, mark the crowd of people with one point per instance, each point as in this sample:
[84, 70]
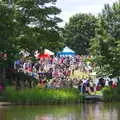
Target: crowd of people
[55, 72]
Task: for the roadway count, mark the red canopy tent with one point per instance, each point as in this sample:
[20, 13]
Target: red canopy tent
[44, 56]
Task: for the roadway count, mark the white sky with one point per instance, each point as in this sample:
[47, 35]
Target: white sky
[71, 7]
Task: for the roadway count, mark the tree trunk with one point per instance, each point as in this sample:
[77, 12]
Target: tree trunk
[2, 74]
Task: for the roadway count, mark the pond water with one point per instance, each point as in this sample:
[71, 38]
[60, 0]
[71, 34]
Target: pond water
[96, 111]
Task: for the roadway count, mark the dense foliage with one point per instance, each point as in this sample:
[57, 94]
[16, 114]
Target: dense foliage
[28, 24]
[106, 44]
[111, 95]
[78, 32]
[7, 34]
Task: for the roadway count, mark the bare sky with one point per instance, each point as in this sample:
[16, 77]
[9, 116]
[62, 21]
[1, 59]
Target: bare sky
[71, 7]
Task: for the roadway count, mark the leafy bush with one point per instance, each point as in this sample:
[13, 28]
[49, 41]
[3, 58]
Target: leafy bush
[111, 94]
[107, 94]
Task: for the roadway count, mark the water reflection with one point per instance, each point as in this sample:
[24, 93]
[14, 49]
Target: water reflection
[98, 111]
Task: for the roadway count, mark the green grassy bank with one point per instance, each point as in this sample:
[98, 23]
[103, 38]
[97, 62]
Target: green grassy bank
[42, 96]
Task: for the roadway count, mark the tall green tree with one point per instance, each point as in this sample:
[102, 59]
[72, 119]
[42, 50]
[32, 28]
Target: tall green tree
[39, 24]
[28, 24]
[7, 33]
[78, 32]
[8, 49]
[106, 44]
[36, 22]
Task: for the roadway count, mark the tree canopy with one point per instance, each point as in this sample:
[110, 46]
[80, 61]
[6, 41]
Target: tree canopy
[39, 22]
[28, 24]
[106, 44]
[79, 31]
[7, 34]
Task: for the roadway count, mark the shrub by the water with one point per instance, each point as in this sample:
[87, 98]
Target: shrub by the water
[111, 94]
[107, 94]
[42, 96]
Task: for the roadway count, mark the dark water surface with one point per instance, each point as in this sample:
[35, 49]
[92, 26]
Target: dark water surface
[96, 111]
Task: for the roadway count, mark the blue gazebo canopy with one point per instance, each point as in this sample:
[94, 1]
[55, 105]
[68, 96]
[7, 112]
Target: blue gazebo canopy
[66, 52]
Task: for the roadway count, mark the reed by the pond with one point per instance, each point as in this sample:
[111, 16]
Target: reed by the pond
[42, 96]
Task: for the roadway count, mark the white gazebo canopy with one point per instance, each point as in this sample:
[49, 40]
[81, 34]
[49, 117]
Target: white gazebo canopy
[46, 51]
[67, 49]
